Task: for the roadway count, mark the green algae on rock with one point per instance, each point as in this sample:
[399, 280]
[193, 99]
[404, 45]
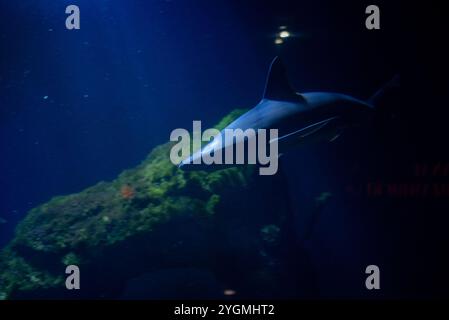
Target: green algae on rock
[67, 226]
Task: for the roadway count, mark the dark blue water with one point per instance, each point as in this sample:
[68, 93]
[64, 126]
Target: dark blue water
[77, 107]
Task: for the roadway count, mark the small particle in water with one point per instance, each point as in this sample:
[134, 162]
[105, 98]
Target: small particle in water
[50, 29]
[45, 97]
[323, 197]
[86, 96]
[3, 221]
[229, 292]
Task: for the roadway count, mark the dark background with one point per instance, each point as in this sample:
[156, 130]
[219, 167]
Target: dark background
[138, 69]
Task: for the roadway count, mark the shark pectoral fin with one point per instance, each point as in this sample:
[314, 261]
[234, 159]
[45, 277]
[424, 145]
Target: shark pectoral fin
[304, 132]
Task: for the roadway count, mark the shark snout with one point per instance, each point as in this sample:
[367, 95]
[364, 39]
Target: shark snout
[195, 162]
[192, 162]
[186, 163]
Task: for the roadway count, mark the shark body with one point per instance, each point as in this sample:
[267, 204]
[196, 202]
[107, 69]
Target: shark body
[299, 118]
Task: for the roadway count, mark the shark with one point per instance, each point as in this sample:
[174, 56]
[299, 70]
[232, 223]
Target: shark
[300, 118]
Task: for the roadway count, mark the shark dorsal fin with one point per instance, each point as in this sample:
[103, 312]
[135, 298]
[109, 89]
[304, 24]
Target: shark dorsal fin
[277, 86]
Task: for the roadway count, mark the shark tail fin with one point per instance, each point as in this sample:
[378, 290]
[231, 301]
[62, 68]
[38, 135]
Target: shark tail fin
[379, 95]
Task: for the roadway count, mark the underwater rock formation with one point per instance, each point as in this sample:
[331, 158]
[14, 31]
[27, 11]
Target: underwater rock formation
[232, 222]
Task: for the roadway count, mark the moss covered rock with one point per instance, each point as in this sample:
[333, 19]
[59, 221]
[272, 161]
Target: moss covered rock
[152, 216]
